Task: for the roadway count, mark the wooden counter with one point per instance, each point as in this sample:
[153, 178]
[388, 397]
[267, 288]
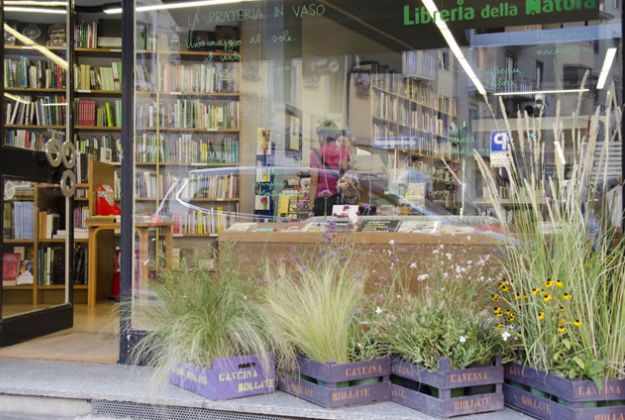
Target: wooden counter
[423, 251]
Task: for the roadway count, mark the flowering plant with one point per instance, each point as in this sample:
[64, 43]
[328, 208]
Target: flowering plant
[565, 277]
[442, 313]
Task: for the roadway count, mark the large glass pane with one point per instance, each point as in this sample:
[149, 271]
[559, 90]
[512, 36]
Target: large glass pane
[36, 218]
[251, 112]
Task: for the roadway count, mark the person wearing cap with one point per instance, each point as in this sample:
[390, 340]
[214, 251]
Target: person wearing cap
[328, 163]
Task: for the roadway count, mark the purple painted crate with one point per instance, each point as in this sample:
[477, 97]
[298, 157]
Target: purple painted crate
[565, 399]
[227, 378]
[334, 385]
[407, 388]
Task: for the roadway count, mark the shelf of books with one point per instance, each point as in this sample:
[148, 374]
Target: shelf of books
[34, 236]
[404, 115]
[187, 148]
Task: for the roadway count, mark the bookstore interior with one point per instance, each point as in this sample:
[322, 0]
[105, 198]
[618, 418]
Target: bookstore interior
[266, 123]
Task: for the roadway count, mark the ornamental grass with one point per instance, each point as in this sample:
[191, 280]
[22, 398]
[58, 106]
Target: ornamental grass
[564, 279]
[202, 314]
[317, 307]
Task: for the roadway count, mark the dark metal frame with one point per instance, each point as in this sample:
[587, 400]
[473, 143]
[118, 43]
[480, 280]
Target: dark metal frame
[128, 336]
[33, 166]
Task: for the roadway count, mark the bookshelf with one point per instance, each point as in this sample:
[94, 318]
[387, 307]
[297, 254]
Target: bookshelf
[191, 101]
[405, 117]
[41, 250]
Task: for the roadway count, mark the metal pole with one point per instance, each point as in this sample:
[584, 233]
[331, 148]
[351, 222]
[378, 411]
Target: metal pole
[127, 200]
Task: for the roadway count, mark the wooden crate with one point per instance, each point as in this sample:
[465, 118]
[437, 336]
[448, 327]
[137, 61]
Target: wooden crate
[560, 398]
[227, 378]
[481, 387]
[334, 385]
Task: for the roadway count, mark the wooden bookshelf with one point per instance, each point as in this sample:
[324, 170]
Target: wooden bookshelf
[43, 91]
[408, 123]
[96, 128]
[34, 127]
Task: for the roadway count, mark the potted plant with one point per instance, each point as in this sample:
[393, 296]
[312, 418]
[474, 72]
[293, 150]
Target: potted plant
[564, 281]
[324, 331]
[448, 349]
[207, 332]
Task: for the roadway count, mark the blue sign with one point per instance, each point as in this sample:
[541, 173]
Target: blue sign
[499, 141]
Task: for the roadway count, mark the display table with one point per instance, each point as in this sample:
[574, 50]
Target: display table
[449, 247]
[96, 228]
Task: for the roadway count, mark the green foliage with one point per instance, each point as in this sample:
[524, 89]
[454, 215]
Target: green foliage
[317, 308]
[445, 318]
[565, 272]
[201, 315]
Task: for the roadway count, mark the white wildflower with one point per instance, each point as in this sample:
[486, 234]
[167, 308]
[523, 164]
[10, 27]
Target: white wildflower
[506, 335]
[436, 251]
[413, 265]
[391, 242]
[378, 310]
[449, 255]
[462, 339]
[423, 277]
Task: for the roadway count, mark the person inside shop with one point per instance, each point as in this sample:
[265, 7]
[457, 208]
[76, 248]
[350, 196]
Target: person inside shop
[328, 163]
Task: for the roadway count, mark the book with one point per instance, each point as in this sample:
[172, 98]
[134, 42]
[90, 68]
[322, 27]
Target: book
[10, 268]
[379, 225]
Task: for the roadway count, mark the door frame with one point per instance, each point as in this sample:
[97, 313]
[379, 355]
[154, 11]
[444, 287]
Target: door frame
[27, 165]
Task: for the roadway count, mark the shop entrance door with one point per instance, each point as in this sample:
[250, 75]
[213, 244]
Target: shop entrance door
[37, 178]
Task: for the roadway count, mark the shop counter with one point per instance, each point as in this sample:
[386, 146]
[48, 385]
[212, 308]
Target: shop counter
[451, 245]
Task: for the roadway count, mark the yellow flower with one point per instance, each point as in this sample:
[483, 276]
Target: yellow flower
[559, 284]
[567, 296]
[511, 316]
[562, 330]
[500, 326]
[561, 309]
[498, 312]
[541, 315]
[495, 297]
[504, 287]
[577, 323]
[548, 283]
[547, 297]
[536, 291]
[519, 297]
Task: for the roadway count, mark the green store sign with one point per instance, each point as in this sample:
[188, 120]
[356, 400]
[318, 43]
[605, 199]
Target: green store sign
[419, 15]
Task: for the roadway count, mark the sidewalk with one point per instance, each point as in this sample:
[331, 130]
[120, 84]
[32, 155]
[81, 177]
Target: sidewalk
[77, 390]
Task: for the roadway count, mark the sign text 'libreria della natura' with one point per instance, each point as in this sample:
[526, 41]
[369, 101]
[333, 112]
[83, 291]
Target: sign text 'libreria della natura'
[420, 15]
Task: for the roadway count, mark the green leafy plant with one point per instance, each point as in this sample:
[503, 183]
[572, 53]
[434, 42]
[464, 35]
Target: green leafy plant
[445, 317]
[317, 308]
[565, 273]
[202, 314]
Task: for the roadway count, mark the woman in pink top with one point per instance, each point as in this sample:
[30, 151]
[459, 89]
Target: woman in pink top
[328, 163]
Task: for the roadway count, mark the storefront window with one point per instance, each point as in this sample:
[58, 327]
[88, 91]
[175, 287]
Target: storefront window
[275, 116]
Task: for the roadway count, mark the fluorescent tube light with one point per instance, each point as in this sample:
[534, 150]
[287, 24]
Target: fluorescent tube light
[34, 3]
[607, 65]
[32, 44]
[453, 45]
[538, 92]
[34, 10]
[180, 5]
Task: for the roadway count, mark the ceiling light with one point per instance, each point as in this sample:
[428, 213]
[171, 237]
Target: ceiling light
[607, 65]
[34, 3]
[179, 5]
[32, 44]
[34, 10]
[453, 45]
[538, 92]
